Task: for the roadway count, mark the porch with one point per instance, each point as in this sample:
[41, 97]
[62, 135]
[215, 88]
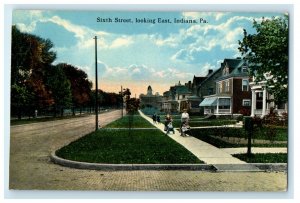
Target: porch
[262, 101]
[217, 105]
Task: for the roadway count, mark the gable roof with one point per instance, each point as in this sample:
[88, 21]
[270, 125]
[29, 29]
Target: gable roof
[235, 68]
[210, 75]
[182, 89]
[198, 80]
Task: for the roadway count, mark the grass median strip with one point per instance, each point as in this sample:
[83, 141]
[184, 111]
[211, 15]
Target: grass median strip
[119, 144]
[150, 146]
[135, 121]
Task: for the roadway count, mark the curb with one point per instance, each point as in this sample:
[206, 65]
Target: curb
[125, 167]
[272, 167]
[250, 167]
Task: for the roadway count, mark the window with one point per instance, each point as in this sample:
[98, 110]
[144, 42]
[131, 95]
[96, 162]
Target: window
[245, 69]
[246, 102]
[210, 91]
[227, 86]
[226, 70]
[245, 85]
[224, 103]
[219, 87]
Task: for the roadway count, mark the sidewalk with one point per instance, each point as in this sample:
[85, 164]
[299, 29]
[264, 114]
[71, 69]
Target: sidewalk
[222, 159]
[204, 151]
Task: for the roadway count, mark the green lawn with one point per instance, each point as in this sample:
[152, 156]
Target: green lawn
[136, 122]
[210, 135]
[196, 121]
[127, 147]
[263, 158]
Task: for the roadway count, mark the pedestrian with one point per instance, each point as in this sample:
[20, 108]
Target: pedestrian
[185, 117]
[154, 118]
[158, 118]
[184, 129]
[168, 124]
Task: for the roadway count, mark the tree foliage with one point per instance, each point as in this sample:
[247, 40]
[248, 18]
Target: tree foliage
[80, 84]
[59, 86]
[31, 55]
[38, 84]
[132, 104]
[267, 54]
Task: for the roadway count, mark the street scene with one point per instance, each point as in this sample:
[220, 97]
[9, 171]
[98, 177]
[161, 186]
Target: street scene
[32, 144]
[149, 101]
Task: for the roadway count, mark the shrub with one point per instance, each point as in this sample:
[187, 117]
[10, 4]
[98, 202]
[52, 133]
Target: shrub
[272, 118]
[245, 111]
[284, 118]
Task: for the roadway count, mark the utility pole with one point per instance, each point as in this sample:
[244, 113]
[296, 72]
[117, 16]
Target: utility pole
[96, 72]
[122, 101]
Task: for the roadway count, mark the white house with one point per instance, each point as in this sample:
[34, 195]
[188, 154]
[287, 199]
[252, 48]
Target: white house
[262, 100]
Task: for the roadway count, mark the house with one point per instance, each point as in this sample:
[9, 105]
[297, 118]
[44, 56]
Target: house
[262, 100]
[175, 100]
[150, 100]
[232, 93]
[189, 95]
[207, 86]
[168, 103]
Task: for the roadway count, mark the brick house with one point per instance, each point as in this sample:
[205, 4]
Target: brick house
[233, 94]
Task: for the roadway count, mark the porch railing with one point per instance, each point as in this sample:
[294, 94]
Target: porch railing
[224, 111]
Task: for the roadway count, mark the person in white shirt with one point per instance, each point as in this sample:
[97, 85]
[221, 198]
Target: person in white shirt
[184, 120]
[185, 116]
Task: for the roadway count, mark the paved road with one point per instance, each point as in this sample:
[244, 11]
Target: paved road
[31, 168]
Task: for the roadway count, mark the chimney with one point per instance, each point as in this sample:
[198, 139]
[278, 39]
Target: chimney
[210, 71]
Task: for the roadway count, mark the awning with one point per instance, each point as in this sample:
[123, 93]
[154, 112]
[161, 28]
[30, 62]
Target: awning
[211, 101]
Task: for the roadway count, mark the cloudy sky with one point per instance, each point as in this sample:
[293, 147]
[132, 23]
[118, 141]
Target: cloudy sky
[136, 55]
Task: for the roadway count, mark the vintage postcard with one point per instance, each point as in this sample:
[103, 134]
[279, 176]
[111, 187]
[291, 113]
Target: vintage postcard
[149, 101]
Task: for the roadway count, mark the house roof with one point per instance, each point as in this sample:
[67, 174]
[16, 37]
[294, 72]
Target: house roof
[235, 68]
[182, 90]
[198, 80]
[210, 75]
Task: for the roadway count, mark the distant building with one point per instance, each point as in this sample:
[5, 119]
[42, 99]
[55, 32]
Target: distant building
[176, 99]
[203, 86]
[150, 100]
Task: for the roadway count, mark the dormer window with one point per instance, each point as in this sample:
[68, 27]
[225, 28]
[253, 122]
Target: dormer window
[245, 69]
[226, 70]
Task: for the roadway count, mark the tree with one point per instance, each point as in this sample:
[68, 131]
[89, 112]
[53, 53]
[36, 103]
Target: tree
[132, 105]
[267, 54]
[29, 59]
[20, 98]
[80, 85]
[60, 88]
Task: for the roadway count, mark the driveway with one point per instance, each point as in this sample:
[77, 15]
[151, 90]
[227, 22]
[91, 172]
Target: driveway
[31, 168]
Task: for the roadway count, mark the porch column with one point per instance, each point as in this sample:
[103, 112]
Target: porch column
[264, 101]
[230, 108]
[253, 105]
[217, 106]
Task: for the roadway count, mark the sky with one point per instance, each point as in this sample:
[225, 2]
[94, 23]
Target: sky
[134, 49]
